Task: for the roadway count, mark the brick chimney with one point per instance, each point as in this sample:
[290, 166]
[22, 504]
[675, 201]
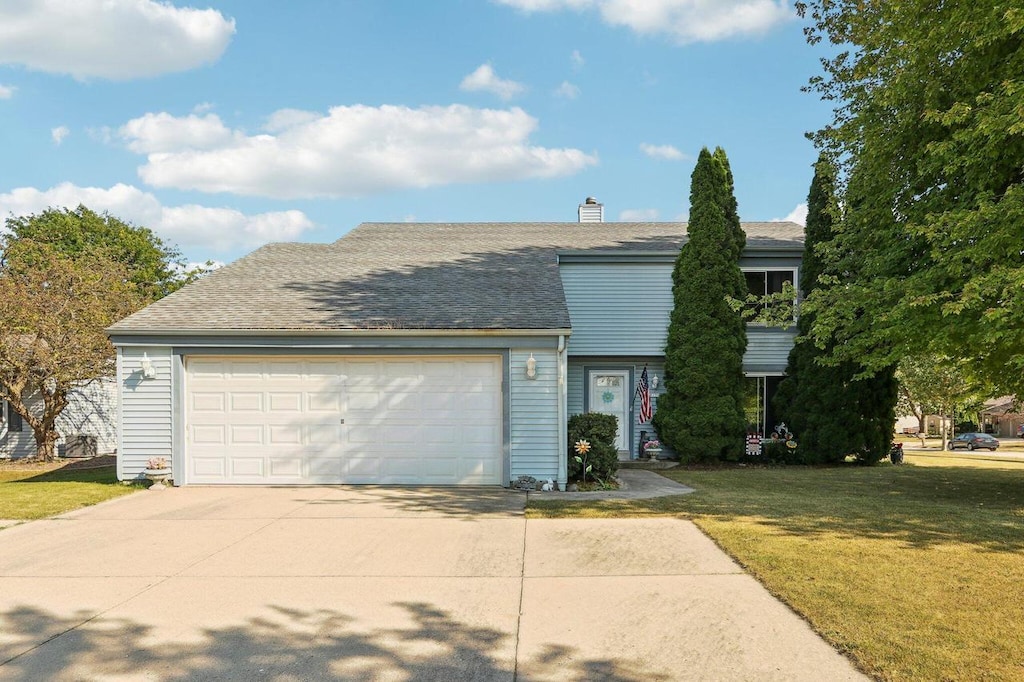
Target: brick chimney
[591, 212]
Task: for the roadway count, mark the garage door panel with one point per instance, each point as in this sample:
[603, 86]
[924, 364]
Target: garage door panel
[324, 402]
[326, 469]
[362, 469]
[245, 401]
[286, 467]
[401, 434]
[323, 434]
[485, 435]
[208, 434]
[206, 369]
[344, 420]
[284, 402]
[208, 467]
[441, 369]
[363, 401]
[284, 434]
[245, 434]
[285, 369]
[248, 467]
[241, 369]
[208, 402]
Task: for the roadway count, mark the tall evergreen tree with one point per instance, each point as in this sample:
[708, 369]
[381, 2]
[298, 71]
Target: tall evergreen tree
[700, 414]
[834, 412]
[732, 214]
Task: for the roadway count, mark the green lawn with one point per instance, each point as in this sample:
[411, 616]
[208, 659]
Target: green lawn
[27, 495]
[916, 572]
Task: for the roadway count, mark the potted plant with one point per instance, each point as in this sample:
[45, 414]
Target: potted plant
[652, 449]
[157, 472]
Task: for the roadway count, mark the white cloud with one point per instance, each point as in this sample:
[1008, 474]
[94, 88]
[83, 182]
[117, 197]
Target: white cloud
[662, 151]
[567, 90]
[486, 80]
[283, 119]
[154, 133]
[797, 215]
[639, 215]
[116, 39]
[577, 61]
[213, 229]
[351, 151]
[687, 21]
[59, 133]
[7, 91]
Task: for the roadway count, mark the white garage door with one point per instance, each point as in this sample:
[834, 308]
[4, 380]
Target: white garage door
[426, 420]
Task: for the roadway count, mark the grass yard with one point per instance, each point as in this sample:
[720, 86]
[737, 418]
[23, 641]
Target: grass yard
[27, 494]
[915, 572]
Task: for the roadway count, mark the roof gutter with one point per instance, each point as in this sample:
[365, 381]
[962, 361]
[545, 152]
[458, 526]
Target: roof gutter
[175, 333]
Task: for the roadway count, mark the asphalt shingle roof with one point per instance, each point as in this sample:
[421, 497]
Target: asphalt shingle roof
[413, 276]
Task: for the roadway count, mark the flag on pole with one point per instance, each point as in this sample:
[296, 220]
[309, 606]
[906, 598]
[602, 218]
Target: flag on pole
[643, 387]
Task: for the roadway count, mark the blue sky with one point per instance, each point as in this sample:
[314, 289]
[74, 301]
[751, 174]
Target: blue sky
[226, 124]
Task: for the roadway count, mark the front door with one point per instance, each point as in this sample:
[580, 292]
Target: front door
[609, 394]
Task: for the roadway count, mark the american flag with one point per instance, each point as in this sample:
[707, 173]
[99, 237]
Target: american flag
[643, 388]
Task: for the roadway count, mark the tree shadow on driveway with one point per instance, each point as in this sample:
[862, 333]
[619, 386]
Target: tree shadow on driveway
[285, 644]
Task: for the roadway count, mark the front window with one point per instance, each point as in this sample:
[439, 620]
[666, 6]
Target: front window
[766, 288]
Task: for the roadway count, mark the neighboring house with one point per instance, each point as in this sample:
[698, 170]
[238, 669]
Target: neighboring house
[1002, 417]
[91, 411]
[418, 353]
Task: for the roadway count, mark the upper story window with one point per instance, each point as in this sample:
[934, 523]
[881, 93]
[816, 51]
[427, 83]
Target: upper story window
[763, 283]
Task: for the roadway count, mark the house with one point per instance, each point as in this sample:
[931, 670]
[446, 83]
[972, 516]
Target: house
[1002, 417]
[418, 353]
[91, 411]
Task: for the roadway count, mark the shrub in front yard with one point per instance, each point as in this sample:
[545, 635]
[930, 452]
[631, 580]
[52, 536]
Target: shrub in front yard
[599, 430]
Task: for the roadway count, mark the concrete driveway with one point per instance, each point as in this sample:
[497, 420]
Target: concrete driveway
[365, 583]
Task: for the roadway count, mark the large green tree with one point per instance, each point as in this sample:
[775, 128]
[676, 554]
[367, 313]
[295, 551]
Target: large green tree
[932, 384]
[929, 131]
[66, 275]
[155, 266]
[832, 405]
[700, 415]
[53, 310]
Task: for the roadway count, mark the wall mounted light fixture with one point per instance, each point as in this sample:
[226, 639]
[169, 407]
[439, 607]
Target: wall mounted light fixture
[654, 382]
[148, 370]
[531, 367]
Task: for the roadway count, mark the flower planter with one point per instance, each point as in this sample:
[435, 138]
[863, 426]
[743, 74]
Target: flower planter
[158, 477]
[652, 453]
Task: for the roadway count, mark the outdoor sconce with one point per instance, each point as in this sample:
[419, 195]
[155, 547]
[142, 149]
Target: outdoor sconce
[148, 371]
[654, 382]
[531, 367]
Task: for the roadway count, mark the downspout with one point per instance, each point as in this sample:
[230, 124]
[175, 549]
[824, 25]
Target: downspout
[563, 446]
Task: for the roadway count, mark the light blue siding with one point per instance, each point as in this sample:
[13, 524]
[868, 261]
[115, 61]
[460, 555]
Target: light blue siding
[768, 349]
[534, 416]
[622, 309]
[91, 410]
[146, 409]
[617, 308]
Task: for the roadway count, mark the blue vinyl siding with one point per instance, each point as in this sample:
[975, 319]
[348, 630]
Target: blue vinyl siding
[622, 309]
[91, 410]
[534, 416]
[146, 409]
[617, 308]
[768, 349]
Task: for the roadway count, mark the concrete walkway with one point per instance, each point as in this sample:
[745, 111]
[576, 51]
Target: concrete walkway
[634, 484]
[382, 583]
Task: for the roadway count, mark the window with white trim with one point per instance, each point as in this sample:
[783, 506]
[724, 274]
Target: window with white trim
[762, 282]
